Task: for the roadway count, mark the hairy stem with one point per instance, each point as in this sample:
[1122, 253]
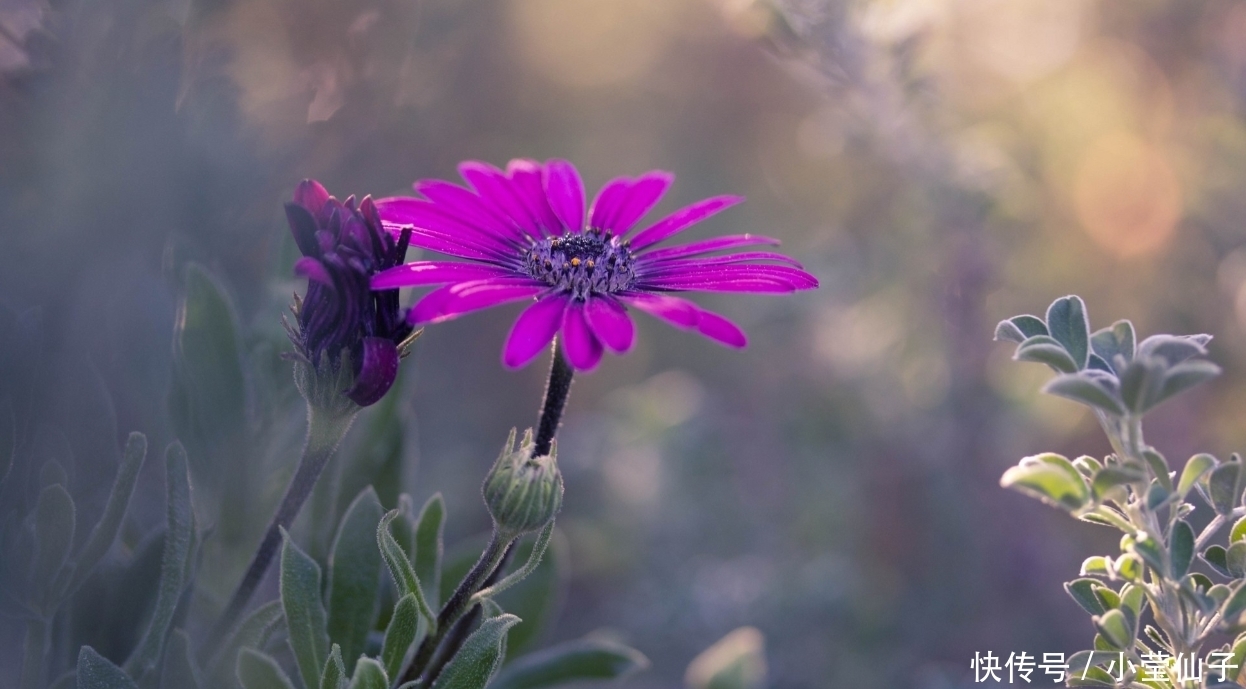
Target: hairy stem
[556, 392]
[462, 629]
[324, 432]
[460, 601]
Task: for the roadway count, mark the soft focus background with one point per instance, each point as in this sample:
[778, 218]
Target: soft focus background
[938, 164]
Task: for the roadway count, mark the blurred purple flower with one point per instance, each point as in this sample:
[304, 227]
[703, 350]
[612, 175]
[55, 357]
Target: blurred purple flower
[344, 245]
[524, 236]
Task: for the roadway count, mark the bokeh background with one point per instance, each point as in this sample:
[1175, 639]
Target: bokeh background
[938, 164]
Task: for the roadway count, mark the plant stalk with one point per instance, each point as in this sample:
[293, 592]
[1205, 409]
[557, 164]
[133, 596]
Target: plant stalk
[325, 430]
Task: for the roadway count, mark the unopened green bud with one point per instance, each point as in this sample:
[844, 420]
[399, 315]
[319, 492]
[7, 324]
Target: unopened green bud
[523, 492]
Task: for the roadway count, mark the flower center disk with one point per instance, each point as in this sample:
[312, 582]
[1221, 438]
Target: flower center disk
[582, 264]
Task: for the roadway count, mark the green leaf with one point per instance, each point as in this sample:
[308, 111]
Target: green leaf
[369, 675]
[1148, 550]
[1050, 478]
[1097, 565]
[400, 634]
[1087, 466]
[1007, 331]
[1046, 350]
[1132, 597]
[1018, 328]
[1195, 468]
[355, 575]
[97, 672]
[1113, 476]
[1141, 382]
[252, 633]
[211, 382]
[1087, 389]
[334, 674]
[1235, 560]
[1030, 325]
[535, 599]
[1114, 627]
[479, 657]
[1184, 376]
[1128, 566]
[1083, 592]
[54, 534]
[179, 670]
[1159, 467]
[178, 538]
[1218, 558]
[400, 568]
[1156, 496]
[1172, 349]
[1066, 320]
[429, 547]
[259, 671]
[1224, 486]
[572, 661]
[736, 661]
[1115, 341]
[1181, 550]
[1238, 532]
[105, 530]
[305, 616]
[1235, 605]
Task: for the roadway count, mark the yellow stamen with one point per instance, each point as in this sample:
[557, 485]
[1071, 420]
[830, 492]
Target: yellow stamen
[575, 262]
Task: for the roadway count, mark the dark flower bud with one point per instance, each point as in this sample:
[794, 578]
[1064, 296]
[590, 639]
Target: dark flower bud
[522, 492]
[349, 338]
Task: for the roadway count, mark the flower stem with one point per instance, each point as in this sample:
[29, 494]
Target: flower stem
[556, 392]
[325, 430]
[460, 601]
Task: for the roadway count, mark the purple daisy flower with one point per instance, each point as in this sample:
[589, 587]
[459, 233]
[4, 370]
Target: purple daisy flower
[344, 246]
[523, 235]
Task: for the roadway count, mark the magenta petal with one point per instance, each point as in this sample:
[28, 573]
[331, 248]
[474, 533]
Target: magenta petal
[606, 204]
[582, 347]
[651, 267]
[311, 195]
[526, 175]
[682, 219]
[494, 185]
[535, 327]
[565, 191]
[721, 330]
[706, 246]
[430, 220]
[610, 322]
[377, 371]
[673, 310]
[685, 314]
[730, 285]
[434, 273]
[470, 207]
[452, 301]
[641, 198]
[303, 227]
[313, 270]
